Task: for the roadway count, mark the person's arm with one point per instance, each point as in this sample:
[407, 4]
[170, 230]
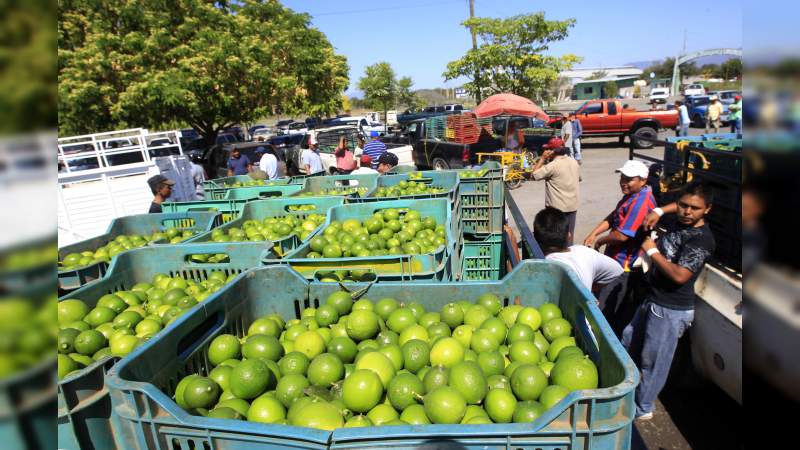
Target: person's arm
[249, 164]
[653, 216]
[629, 223]
[540, 163]
[601, 228]
[675, 272]
[605, 269]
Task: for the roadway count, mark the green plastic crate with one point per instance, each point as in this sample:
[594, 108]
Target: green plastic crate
[316, 184]
[267, 191]
[433, 266]
[224, 181]
[147, 417]
[83, 401]
[480, 207]
[279, 207]
[227, 209]
[141, 224]
[28, 398]
[479, 259]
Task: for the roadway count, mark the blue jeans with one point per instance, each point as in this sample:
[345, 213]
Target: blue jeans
[683, 130]
[576, 149]
[651, 339]
[736, 126]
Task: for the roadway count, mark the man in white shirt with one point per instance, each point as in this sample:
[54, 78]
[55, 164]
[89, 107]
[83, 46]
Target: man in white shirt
[683, 115]
[366, 166]
[311, 161]
[594, 269]
[268, 162]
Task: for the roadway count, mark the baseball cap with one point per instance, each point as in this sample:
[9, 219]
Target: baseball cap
[738, 97]
[365, 159]
[633, 168]
[388, 158]
[155, 180]
[374, 134]
[554, 142]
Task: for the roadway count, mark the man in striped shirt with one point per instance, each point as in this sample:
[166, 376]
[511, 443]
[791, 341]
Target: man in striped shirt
[623, 242]
[374, 148]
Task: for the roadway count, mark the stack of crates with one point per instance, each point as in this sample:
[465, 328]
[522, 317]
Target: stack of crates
[458, 128]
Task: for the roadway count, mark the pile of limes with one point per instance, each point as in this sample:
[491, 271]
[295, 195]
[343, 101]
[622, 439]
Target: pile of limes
[27, 333]
[28, 258]
[345, 275]
[270, 229]
[302, 207]
[364, 363]
[120, 244]
[123, 320]
[387, 232]
[249, 183]
[415, 176]
[359, 191]
[472, 173]
[407, 188]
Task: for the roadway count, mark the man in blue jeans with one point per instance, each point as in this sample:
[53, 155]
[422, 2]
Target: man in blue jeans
[668, 309]
[577, 132]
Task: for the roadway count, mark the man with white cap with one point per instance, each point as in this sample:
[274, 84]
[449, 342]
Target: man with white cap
[311, 161]
[623, 240]
[713, 114]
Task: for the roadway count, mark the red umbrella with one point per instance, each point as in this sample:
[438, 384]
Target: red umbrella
[511, 104]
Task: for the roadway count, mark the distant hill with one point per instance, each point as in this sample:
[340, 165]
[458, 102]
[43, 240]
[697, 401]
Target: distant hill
[713, 59]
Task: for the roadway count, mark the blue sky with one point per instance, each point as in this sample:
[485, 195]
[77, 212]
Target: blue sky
[419, 38]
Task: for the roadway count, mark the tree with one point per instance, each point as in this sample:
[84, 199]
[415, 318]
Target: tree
[731, 68]
[611, 89]
[208, 64]
[512, 55]
[404, 93]
[709, 70]
[597, 75]
[346, 106]
[379, 86]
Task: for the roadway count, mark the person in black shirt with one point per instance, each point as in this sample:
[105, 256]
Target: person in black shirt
[162, 189]
[676, 259]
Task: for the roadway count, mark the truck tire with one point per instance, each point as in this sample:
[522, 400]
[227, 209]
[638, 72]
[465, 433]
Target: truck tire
[644, 132]
[439, 164]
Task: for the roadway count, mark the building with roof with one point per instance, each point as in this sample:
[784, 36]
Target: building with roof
[579, 88]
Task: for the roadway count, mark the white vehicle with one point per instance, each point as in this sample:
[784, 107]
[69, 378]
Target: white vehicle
[454, 107]
[659, 95]
[363, 123]
[297, 128]
[694, 89]
[262, 134]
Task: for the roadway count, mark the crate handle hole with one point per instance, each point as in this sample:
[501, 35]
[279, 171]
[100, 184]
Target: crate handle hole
[268, 194]
[208, 258]
[308, 207]
[194, 339]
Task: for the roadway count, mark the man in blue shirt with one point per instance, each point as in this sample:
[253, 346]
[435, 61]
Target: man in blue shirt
[238, 164]
[374, 148]
[577, 132]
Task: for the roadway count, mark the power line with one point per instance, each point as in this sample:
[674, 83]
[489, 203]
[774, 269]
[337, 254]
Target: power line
[387, 8]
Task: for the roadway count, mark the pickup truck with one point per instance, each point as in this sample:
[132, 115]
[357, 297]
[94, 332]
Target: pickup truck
[440, 154]
[612, 118]
[431, 111]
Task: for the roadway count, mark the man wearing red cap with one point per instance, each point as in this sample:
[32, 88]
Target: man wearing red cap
[735, 115]
[366, 166]
[562, 176]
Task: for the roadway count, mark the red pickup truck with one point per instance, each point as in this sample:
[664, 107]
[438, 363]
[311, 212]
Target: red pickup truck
[613, 118]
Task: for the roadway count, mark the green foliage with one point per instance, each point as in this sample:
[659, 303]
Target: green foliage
[611, 89]
[662, 69]
[406, 96]
[596, 75]
[28, 79]
[730, 69]
[512, 55]
[208, 64]
[379, 85]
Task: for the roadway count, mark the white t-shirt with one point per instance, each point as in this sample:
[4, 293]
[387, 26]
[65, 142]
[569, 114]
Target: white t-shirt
[591, 266]
[364, 170]
[684, 113]
[311, 158]
[269, 164]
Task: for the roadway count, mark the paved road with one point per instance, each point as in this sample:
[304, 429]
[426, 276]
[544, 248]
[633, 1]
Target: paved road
[688, 416]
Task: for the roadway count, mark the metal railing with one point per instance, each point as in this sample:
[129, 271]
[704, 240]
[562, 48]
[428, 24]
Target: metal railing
[530, 249]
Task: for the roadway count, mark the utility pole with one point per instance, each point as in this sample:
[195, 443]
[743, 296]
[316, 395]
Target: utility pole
[474, 46]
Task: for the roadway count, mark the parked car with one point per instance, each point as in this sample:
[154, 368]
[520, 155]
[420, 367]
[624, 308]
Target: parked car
[282, 126]
[362, 123]
[237, 132]
[226, 138]
[612, 118]
[313, 122]
[431, 111]
[261, 134]
[297, 128]
[659, 95]
[694, 89]
[251, 131]
[454, 107]
[698, 106]
[726, 97]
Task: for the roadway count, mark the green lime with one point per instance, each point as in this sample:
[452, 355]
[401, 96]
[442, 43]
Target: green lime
[221, 412]
[491, 302]
[343, 347]
[556, 328]
[569, 352]
[528, 382]
[491, 363]
[384, 307]
[122, 345]
[236, 404]
[519, 332]
[500, 405]
[266, 326]
[82, 360]
[341, 300]
[452, 315]
[473, 411]
[358, 421]
[468, 379]
[496, 327]
[524, 352]
[541, 342]
[387, 337]
[405, 390]
[382, 414]
[294, 363]
[437, 330]
[378, 363]
[498, 382]
[325, 370]
[463, 333]
[103, 353]
[528, 411]
[148, 327]
[509, 314]
[362, 390]
[531, 317]
[66, 365]
[78, 325]
[113, 302]
[575, 374]
[416, 355]
[549, 312]
[99, 315]
[476, 315]
[413, 332]
[400, 319]
[262, 346]
[66, 340]
[362, 325]
[127, 319]
[483, 341]
[71, 310]
[559, 344]
[447, 352]
[415, 415]
[290, 388]
[326, 315]
[309, 343]
[435, 377]
[320, 415]
[445, 405]
[552, 394]
[201, 392]
[266, 409]
[250, 379]
[89, 342]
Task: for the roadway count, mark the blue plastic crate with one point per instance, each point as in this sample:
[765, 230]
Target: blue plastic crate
[28, 398]
[82, 401]
[147, 417]
[480, 207]
[279, 207]
[479, 259]
[448, 181]
[228, 209]
[141, 224]
[275, 188]
[433, 266]
[316, 184]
